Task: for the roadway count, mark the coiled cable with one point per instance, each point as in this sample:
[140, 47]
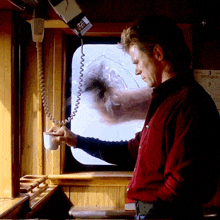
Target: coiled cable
[42, 86]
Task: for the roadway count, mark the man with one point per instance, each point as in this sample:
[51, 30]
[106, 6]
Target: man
[176, 154]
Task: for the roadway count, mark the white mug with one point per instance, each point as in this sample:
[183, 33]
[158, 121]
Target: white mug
[48, 143]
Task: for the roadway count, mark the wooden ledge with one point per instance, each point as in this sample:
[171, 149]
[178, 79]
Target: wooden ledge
[10, 208]
[92, 178]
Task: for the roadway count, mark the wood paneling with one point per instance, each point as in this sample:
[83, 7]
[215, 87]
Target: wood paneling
[6, 148]
[90, 197]
[30, 106]
[95, 190]
[54, 76]
[35, 159]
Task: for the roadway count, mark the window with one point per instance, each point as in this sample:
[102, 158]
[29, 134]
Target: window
[112, 64]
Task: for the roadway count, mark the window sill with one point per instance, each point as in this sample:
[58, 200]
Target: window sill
[111, 178]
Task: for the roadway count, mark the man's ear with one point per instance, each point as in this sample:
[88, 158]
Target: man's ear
[158, 52]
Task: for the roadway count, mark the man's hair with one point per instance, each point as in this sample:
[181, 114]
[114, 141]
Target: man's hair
[159, 30]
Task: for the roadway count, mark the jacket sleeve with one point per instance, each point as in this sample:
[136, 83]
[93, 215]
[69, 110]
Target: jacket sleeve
[133, 145]
[115, 152]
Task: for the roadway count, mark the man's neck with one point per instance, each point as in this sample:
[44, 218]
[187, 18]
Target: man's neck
[167, 75]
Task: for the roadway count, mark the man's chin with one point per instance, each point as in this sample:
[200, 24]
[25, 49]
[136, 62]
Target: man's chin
[149, 84]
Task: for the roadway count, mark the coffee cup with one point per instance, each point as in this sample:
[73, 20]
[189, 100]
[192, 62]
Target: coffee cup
[49, 144]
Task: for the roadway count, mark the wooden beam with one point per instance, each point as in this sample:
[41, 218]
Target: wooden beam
[39, 114]
[9, 167]
[98, 178]
[97, 29]
[53, 63]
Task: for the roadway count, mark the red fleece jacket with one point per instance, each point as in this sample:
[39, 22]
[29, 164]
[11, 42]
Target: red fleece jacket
[176, 153]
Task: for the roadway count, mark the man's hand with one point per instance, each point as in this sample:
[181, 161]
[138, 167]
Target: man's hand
[64, 135]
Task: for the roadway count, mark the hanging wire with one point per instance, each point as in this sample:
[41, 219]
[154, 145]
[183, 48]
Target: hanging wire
[42, 86]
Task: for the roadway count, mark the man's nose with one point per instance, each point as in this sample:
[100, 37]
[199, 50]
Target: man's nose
[137, 71]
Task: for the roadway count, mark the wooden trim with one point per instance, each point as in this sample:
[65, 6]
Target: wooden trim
[100, 189]
[53, 63]
[15, 99]
[110, 178]
[94, 182]
[30, 102]
[63, 102]
[14, 208]
[98, 29]
[39, 123]
[8, 182]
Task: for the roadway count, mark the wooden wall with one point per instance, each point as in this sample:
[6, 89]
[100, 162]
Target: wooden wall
[9, 146]
[95, 190]
[35, 159]
[96, 197]
[5, 104]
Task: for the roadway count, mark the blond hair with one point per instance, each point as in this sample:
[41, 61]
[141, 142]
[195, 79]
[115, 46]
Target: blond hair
[158, 30]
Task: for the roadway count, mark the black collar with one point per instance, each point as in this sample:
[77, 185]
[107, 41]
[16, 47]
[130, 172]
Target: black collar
[171, 86]
[166, 89]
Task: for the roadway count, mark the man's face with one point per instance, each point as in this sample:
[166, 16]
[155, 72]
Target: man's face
[149, 68]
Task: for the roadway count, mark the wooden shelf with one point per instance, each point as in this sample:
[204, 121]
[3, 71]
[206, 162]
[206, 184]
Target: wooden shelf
[111, 178]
